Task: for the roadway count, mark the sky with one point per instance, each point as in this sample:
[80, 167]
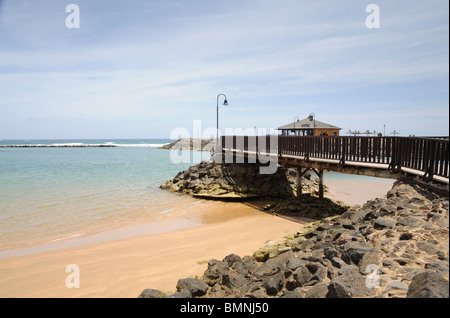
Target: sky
[144, 68]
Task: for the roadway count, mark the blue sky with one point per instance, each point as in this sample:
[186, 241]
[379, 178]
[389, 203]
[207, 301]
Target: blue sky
[139, 69]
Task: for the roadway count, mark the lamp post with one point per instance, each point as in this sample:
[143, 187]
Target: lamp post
[295, 132]
[225, 103]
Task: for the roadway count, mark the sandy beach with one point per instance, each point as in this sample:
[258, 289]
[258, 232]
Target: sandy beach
[126, 262]
[126, 267]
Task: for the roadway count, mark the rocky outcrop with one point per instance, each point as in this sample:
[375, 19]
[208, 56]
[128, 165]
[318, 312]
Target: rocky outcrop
[391, 247]
[199, 144]
[237, 180]
[306, 206]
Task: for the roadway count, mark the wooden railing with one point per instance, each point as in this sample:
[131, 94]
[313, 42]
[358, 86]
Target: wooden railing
[429, 155]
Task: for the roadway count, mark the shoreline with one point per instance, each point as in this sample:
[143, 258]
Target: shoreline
[212, 231]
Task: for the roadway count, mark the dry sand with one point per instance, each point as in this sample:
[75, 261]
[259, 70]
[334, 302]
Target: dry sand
[129, 260]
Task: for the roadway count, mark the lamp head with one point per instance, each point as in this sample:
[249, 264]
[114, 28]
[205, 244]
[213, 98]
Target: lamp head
[225, 103]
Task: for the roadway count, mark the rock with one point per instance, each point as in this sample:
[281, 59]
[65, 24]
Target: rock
[368, 259]
[338, 262]
[152, 293]
[354, 253]
[438, 266]
[318, 291]
[196, 287]
[264, 253]
[406, 236]
[396, 284]
[330, 253]
[402, 261]
[293, 263]
[181, 294]
[232, 259]
[266, 270]
[428, 284]
[318, 271]
[255, 290]
[233, 280]
[274, 284]
[409, 222]
[245, 268]
[301, 276]
[383, 223]
[296, 293]
[215, 271]
[427, 248]
[352, 284]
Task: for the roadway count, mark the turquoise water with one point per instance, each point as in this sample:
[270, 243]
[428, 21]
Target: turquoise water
[46, 193]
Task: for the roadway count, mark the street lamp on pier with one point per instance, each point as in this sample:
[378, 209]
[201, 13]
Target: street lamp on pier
[225, 103]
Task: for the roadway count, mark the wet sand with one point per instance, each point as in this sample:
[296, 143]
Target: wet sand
[123, 262]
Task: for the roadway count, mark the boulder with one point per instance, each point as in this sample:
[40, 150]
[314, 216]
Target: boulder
[152, 293]
[196, 287]
[274, 284]
[232, 259]
[428, 284]
[215, 271]
[353, 253]
[301, 276]
[351, 284]
[233, 280]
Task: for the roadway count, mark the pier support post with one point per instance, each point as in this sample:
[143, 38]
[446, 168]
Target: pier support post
[321, 184]
[299, 182]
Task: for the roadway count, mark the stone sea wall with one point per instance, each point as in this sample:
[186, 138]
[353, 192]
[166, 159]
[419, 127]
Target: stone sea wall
[391, 247]
[199, 144]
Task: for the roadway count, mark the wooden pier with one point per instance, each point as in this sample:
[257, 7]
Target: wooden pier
[425, 158]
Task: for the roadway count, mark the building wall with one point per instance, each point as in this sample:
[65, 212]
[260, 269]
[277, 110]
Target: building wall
[309, 132]
[328, 132]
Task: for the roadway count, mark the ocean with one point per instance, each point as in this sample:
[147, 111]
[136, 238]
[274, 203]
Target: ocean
[53, 193]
